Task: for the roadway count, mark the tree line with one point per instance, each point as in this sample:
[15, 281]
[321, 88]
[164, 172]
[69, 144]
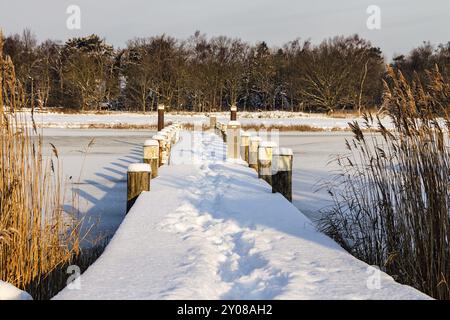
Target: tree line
[209, 74]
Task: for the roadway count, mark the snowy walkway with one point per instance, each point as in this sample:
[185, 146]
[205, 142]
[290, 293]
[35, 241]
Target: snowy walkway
[210, 229]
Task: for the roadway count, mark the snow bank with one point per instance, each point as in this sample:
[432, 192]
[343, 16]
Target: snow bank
[10, 292]
[210, 229]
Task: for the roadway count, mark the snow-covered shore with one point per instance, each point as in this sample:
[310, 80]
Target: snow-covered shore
[210, 229]
[119, 120]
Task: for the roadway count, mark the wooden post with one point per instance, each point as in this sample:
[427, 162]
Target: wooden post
[151, 155]
[167, 147]
[265, 157]
[253, 152]
[178, 129]
[160, 118]
[169, 134]
[138, 181]
[162, 146]
[176, 132]
[212, 122]
[282, 172]
[223, 129]
[171, 131]
[219, 129]
[233, 115]
[245, 143]
[233, 139]
[216, 128]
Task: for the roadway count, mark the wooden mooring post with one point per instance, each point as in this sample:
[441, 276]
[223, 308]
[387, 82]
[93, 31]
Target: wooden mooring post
[162, 146]
[282, 172]
[233, 113]
[173, 132]
[176, 127]
[217, 128]
[245, 145]
[233, 139]
[151, 155]
[212, 122]
[265, 158]
[160, 118]
[156, 152]
[169, 132]
[223, 130]
[165, 157]
[253, 152]
[138, 181]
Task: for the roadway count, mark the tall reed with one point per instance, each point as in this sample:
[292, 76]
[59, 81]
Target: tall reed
[37, 242]
[393, 206]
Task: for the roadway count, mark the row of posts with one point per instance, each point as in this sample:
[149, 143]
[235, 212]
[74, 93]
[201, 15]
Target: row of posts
[156, 153]
[272, 163]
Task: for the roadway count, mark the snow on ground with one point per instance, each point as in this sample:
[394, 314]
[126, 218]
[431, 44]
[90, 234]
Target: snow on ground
[274, 118]
[10, 292]
[209, 229]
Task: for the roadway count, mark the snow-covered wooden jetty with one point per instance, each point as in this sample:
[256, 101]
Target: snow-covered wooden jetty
[211, 229]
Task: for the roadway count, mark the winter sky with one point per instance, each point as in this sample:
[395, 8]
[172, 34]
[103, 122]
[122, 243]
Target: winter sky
[404, 23]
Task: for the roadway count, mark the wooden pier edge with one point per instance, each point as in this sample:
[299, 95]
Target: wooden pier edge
[138, 181]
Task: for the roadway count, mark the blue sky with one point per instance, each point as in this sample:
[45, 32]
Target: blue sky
[404, 24]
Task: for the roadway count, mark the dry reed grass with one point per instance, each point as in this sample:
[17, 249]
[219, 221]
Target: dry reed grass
[37, 242]
[393, 209]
